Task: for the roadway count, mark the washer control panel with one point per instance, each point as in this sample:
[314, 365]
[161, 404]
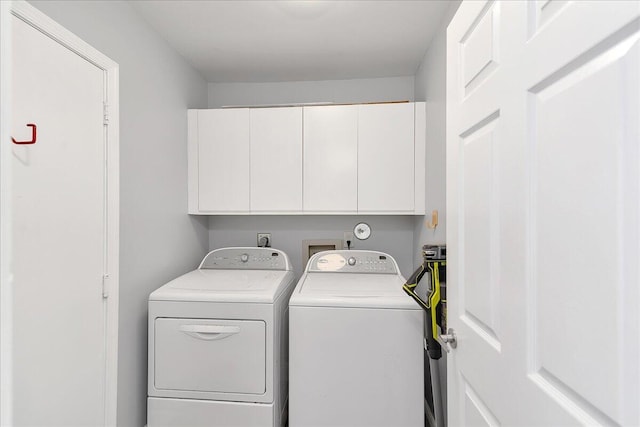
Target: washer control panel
[246, 259]
[352, 262]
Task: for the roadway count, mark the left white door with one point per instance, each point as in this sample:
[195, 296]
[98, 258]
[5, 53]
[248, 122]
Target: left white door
[59, 234]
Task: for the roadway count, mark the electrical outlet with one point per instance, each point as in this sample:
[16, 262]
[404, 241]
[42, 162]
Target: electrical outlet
[264, 240]
[347, 235]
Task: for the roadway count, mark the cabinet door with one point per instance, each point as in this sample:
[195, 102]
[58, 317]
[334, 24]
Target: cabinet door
[386, 158]
[331, 158]
[276, 159]
[223, 160]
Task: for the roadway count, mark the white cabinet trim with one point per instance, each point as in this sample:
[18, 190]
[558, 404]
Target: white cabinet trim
[192, 161]
[420, 157]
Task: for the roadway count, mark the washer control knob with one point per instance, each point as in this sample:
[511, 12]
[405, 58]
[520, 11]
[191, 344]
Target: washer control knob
[244, 257]
[351, 261]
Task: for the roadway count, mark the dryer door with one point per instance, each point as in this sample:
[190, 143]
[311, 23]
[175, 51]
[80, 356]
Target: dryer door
[226, 356]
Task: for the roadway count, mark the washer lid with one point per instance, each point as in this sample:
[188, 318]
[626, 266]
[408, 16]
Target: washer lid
[363, 290]
[261, 286]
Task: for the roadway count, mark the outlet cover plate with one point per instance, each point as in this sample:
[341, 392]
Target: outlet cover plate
[347, 235]
[262, 235]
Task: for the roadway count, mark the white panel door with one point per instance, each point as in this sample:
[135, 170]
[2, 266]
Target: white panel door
[223, 160]
[276, 159]
[331, 158]
[59, 246]
[543, 202]
[386, 158]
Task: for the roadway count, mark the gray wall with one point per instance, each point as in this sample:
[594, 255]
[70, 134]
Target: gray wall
[158, 241]
[336, 91]
[390, 234]
[430, 86]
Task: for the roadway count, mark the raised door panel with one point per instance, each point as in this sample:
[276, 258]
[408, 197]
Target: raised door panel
[276, 159]
[331, 158]
[223, 160]
[566, 281]
[582, 122]
[386, 158]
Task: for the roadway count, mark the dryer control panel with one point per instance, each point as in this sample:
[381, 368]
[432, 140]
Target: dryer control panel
[352, 262]
[246, 259]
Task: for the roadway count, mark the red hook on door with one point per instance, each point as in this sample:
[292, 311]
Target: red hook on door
[33, 136]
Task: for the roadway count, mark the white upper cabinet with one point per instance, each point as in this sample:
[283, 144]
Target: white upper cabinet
[336, 159]
[331, 159]
[386, 176]
[219, 161]
[276, 159]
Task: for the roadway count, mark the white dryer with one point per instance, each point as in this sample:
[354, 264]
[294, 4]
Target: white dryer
[218, 342]
[356, 344]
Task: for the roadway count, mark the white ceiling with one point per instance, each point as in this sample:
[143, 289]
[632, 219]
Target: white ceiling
[270, 41]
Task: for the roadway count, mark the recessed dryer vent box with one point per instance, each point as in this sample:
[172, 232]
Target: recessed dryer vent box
[311, 247]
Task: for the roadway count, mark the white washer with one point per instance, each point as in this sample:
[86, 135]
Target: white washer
[356, 344]
[218, 342]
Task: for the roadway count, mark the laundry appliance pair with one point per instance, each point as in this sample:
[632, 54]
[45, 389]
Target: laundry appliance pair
[235, 342]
